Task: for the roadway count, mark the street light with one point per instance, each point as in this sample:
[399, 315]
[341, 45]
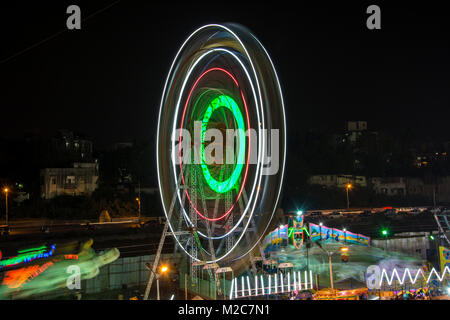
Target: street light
[6, 190]
[139, 203]
[345, 235]
[320, 230]
[385, 233]
[347, 187]
[163, 269]
[344, 254]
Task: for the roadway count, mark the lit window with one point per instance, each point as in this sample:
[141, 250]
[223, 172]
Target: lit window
[70, 179]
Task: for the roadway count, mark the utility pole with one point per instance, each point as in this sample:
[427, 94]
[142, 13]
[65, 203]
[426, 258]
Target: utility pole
[329, 263]
[331, 270]
[139, 195]
[6, 192]
[157, 287]
[185, 286]
[347, 187]
[307, 256]
[434, 195]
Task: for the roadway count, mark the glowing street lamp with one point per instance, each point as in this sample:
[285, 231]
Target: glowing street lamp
[344, 254]
[343, 249]
[139, 203]
[6, 190]
[162, 270]
[348, 187]
[385, 233]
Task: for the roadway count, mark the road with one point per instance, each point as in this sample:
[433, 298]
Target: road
[127, 235]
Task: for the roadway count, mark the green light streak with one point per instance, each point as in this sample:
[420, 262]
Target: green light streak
[224, 101]
[291, 231]
[306, 230]
[32, 249]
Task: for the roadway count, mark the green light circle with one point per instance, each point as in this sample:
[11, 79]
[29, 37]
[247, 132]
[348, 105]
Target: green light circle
[223, 101]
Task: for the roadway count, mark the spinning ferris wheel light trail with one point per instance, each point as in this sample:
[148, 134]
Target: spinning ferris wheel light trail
[223, 79]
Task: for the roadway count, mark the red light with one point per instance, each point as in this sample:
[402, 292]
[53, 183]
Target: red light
[179, 149]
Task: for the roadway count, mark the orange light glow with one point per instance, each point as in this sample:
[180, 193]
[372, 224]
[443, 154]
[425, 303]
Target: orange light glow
[164, 269]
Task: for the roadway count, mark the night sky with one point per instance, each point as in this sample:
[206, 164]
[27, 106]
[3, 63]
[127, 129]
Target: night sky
[105, 80]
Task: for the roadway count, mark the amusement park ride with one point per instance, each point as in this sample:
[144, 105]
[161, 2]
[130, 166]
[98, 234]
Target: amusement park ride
[222, 80]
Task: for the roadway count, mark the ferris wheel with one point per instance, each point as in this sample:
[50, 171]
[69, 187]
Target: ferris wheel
[221, 144]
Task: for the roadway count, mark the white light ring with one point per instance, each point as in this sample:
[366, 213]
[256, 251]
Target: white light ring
[259, 90]
[261, 143]
[173, 155]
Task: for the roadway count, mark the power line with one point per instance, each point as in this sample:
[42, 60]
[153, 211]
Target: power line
[56, 34]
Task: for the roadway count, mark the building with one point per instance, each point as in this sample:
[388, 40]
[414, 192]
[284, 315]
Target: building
[415, 186]
[439, 191]
[356, 126]
[79, 180]
[337, 181]
[66, 147]
[354, 130]
[391, 186]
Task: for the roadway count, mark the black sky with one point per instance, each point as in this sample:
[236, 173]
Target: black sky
[106, 79]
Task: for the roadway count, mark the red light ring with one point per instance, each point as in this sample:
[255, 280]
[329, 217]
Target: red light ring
[249, 144]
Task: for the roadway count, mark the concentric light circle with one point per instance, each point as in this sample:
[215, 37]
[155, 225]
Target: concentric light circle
[223, 101]
[221, 79]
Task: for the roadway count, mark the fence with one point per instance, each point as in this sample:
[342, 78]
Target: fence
[129, 271]
[204, 287]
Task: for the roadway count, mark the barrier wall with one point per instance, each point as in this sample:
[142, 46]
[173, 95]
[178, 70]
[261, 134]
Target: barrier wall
[323, 233]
